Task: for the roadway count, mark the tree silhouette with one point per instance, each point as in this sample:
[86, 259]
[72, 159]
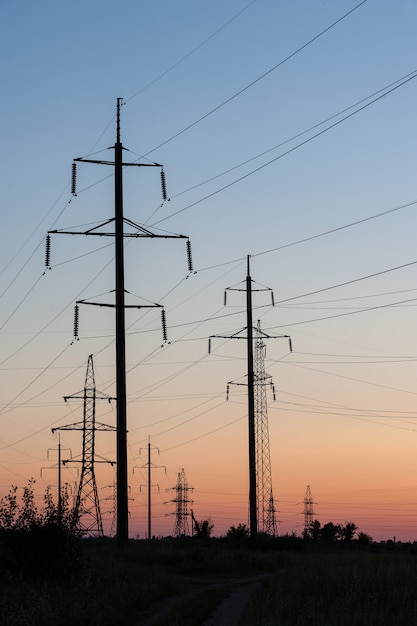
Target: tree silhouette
[203, 529]
[237, 532]
[347, 532]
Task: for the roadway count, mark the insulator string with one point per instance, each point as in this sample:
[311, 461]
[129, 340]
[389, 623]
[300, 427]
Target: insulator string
[74, 179]
[163, 185]
[48, 251]
[76, 319]
[164, 325]
[189, 256]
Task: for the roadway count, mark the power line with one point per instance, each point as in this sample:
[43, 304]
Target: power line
[311, 237]
[350, 282]
[357, 380]
[355, 280]
[280, 156]
[259, 78]
[330, 317]
[191, 52]
[286, 141]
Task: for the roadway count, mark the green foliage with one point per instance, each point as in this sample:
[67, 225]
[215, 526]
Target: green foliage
[37, 543]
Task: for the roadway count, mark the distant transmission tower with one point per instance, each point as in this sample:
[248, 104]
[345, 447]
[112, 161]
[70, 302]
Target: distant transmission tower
[87, 515]
[265, 504]
[308, 509]
[271, 521]
[113, 511]
[149, 485]
[182, 513]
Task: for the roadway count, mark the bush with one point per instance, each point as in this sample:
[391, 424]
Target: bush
[37, 544]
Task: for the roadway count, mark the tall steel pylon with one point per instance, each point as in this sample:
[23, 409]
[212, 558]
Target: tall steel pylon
[182, 512]
[265, 500]
[87, 515]
[308, 511]
[119, 234]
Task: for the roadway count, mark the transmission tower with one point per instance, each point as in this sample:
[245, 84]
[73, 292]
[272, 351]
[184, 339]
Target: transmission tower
[87, 515]
[265, 500]
[149, 484]
[113, 511]
[271, 521]
[308, 509]
[119, 234]
[254, 467]
[182, 513]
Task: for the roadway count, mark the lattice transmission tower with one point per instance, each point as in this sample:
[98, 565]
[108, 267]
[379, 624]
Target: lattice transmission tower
[87, 515]
[308, 511]
[182, 501]
[267, 522]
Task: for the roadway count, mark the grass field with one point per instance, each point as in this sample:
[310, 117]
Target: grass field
[107, 585]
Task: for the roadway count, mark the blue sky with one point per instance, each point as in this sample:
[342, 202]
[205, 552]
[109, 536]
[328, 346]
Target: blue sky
[207, 87]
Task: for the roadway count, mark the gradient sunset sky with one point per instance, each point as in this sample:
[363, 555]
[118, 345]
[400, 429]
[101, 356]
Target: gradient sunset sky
[287, 132]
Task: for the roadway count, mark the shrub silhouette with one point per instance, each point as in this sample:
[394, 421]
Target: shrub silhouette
[37, 543]
[238, 532]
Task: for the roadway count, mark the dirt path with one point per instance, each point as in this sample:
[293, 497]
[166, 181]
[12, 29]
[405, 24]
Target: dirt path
[227, 612]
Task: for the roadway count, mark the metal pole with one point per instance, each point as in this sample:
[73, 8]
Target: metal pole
[59, 482]
[251, 412]
[122, 487]
[149, 490]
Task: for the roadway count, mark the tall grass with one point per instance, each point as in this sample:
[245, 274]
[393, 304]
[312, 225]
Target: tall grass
[343, 588]
[110, 585]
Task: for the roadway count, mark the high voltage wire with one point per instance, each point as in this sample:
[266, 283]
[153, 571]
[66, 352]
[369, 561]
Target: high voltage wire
[349, 282]
[365, 382]
[355, 280]
[405, 79]
[286, 141]
[280, 156]
[254, 81]
[245, 88]
[311, 237]
[268, 251]
[329, 317]
[259, 78]
[199, 321]
[186, 56]
[189, 206]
